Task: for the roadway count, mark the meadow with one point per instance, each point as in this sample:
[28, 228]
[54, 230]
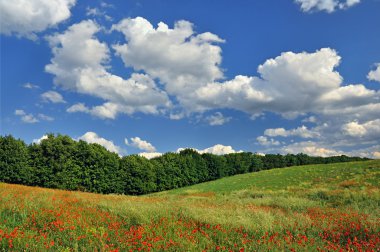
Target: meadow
[333, 207]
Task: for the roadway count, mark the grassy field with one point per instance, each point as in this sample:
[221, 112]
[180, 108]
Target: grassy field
[308, 208]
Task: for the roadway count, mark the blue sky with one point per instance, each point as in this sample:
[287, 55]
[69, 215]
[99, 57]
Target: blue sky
[218, 76]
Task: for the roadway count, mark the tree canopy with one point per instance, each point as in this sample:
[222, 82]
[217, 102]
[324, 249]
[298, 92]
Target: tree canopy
[61, 162]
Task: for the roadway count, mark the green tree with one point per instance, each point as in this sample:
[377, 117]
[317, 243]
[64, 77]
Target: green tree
[216, 165]
[138, 175]
[14, 166]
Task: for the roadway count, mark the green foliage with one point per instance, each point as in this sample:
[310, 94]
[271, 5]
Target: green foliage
[14, 167]
[301, 178]
[61, 162]
[138, 175]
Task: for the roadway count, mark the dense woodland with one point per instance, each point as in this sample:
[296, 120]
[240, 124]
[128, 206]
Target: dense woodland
[61, 162]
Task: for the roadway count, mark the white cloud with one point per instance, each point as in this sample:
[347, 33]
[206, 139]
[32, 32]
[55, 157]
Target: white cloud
[25, 17]
[176, 116]
[262, 140]
[94, 12]
[27, 118]
[290, 84]
[150, 155]
[20, 112]
[188, 67]
[106, 5]
[294, 80]
[181, 59]
[376, 154]
[368, 129]
[78, 107]
[217, 119]
[310, 148]
[38, 141]
[295, 84]
[241, 93]
[140, 144]
[302, 131]
[52, 96]
[30, 118]
[370, 152]
[350, 95]
[276, 132]
[325, 5]
[374, 75]
[98, 12]
[92, 137]
[188, 64]
[217, 149]
[310, 119]
[108, 110]
[29, 85]
[80, 64]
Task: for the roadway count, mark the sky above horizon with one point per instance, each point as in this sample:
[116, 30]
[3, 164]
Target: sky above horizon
[150, 77]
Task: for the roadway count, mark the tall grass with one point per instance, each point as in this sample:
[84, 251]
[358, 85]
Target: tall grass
[326, 207]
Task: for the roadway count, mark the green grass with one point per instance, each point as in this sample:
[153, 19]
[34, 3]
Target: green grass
[303, 208]
[308, 176]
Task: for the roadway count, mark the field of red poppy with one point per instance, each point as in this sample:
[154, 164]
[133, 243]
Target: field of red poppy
[310, 208]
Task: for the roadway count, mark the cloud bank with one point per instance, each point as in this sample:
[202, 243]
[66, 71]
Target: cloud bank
[26, 17]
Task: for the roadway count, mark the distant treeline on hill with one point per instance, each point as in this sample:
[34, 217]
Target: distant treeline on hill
[60, 162]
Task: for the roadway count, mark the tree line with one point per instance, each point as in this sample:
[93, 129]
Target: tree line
[63, 163]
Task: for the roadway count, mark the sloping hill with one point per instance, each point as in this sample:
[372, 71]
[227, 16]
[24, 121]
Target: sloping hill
[352, 174]
[310, 208]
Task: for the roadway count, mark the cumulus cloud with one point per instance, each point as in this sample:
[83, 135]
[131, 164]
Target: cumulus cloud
[310, 148]
[52, 96]
[38, 141]
[302, 131]
[350, 95]
[217, 119]
[187, 65]
[241, 93]
[26, 17]
[92, 137]
[140, 144]
[325, 5]
[181, 59]
[217, 149]
[368, 129]
[374, 75]
[263, 140]
[80, 64]
[150, 155]
[290, 84]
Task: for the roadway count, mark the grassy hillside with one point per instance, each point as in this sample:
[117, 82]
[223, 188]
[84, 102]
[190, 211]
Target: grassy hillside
[357, 174]
[318, 207]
